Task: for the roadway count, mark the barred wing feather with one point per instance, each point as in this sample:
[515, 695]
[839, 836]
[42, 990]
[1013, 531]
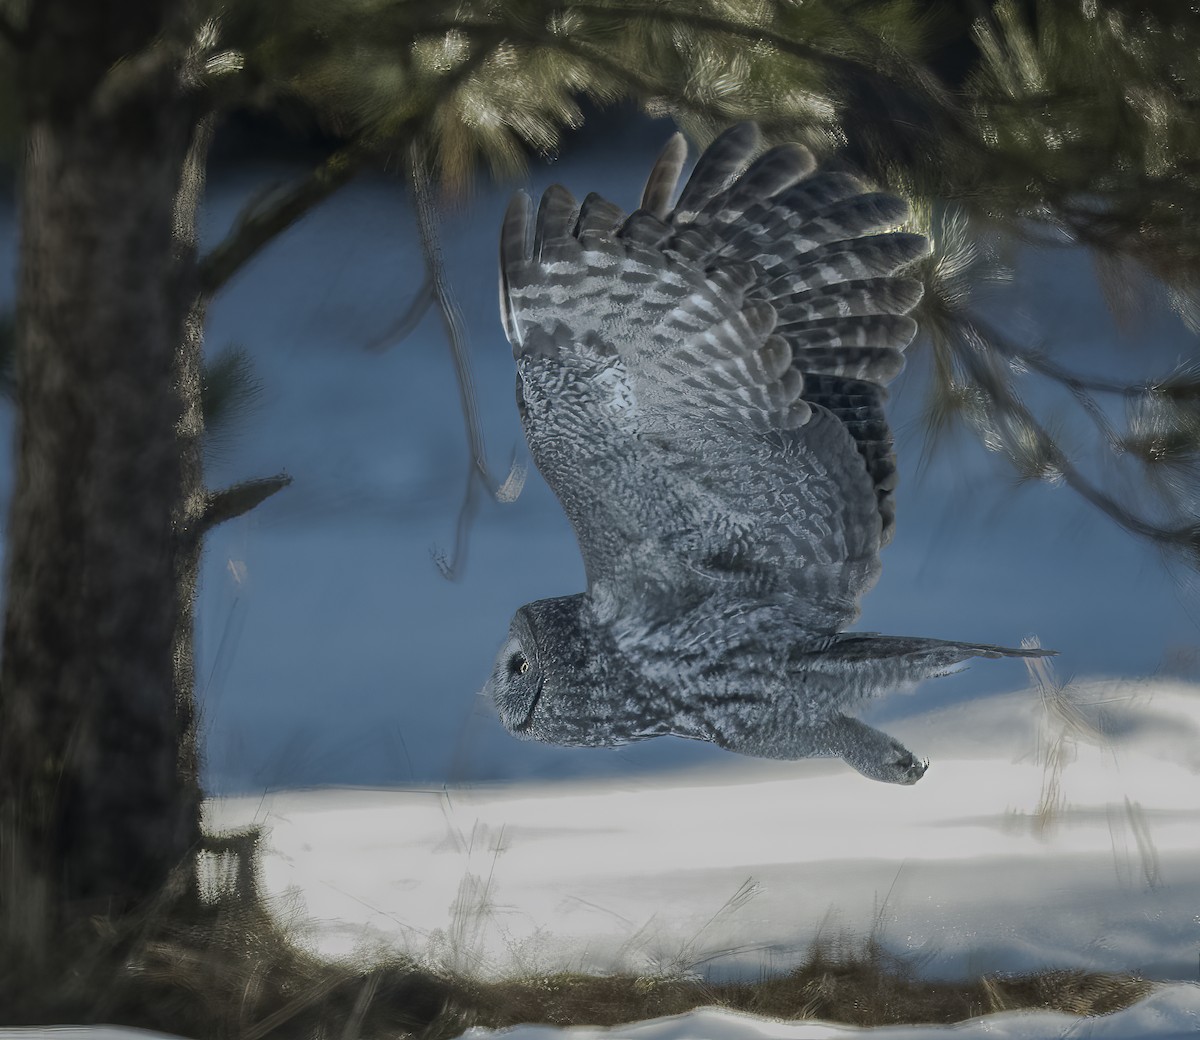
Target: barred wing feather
[702, 386]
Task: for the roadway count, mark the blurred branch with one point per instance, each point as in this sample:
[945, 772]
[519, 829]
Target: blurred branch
[1013, 412]
[613, 66]
[868, 71]
[451, 313]
[1080, 387]
[1039, 362]
[259, 223]
[410, 319]
[693, 20]
[234, 501]
[135, 74]
[15, 37]
[8, 355]
[456, 338]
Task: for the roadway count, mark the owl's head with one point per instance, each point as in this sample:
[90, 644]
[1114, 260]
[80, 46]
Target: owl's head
[542, 680]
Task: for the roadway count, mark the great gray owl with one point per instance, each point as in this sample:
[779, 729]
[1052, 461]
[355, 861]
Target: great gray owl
[702, 388]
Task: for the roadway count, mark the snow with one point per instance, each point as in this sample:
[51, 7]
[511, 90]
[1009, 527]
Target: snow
[998, 860]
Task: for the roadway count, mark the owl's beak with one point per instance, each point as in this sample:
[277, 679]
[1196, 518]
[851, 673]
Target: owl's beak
[514, 712]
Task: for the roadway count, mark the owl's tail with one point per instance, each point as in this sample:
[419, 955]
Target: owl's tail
[890, 661]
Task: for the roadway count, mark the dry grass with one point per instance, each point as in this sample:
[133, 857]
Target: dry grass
[223, 967]
[862, 986]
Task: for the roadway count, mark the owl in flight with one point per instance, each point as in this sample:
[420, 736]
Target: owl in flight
[702, 386]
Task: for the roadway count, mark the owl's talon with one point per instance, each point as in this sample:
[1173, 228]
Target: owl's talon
[911, 768]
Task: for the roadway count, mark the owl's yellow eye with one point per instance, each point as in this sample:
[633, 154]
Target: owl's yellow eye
[518, 664]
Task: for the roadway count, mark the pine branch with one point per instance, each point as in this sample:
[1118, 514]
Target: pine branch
[1039, 362]
[1185, 537]
[691, 21]
[1081, 387]
[239, 499]
[258, 224]
[641, 84]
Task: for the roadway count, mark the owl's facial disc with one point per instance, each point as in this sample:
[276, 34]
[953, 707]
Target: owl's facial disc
[516, 682]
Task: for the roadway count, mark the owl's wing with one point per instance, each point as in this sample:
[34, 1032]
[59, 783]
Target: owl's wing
[702, 386]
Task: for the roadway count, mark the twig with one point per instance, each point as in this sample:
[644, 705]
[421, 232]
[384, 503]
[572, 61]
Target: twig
[132, 76]
[239, 499]
[456, 338]
[452, 319]
[259, 224]
[1081, 387]
[410, 319]
[1038, 361]
[309, 996]
[1182, 537]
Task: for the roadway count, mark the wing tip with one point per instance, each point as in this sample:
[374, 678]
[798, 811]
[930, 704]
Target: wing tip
[515, 240]
[516, 247]
[663, 180]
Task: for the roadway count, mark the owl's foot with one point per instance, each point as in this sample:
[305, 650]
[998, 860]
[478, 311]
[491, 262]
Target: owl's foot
[874, 754]
[905, 769]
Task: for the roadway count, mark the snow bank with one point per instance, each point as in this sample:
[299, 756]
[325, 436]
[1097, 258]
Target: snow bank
[1046, 834]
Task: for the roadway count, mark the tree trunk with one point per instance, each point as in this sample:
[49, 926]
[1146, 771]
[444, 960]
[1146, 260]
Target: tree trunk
[95, 811]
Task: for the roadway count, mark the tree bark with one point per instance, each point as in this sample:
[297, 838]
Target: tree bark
[95, 810]
[192, 500]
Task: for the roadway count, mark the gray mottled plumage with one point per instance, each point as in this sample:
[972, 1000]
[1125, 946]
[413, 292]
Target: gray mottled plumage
[702, 387]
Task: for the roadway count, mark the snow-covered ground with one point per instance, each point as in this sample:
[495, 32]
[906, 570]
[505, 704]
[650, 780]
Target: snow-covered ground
[1049, 832]
[1046, 834]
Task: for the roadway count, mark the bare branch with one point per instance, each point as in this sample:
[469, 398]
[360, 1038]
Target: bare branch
[452, 319]
[1081, 387]
[259, 224]
[456, 337]
[239, 499]
[1038, 361]
[134, 75]
[410, 319]
[1184, 537]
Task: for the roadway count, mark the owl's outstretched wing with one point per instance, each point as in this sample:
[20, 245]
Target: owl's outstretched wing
[702, 386]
